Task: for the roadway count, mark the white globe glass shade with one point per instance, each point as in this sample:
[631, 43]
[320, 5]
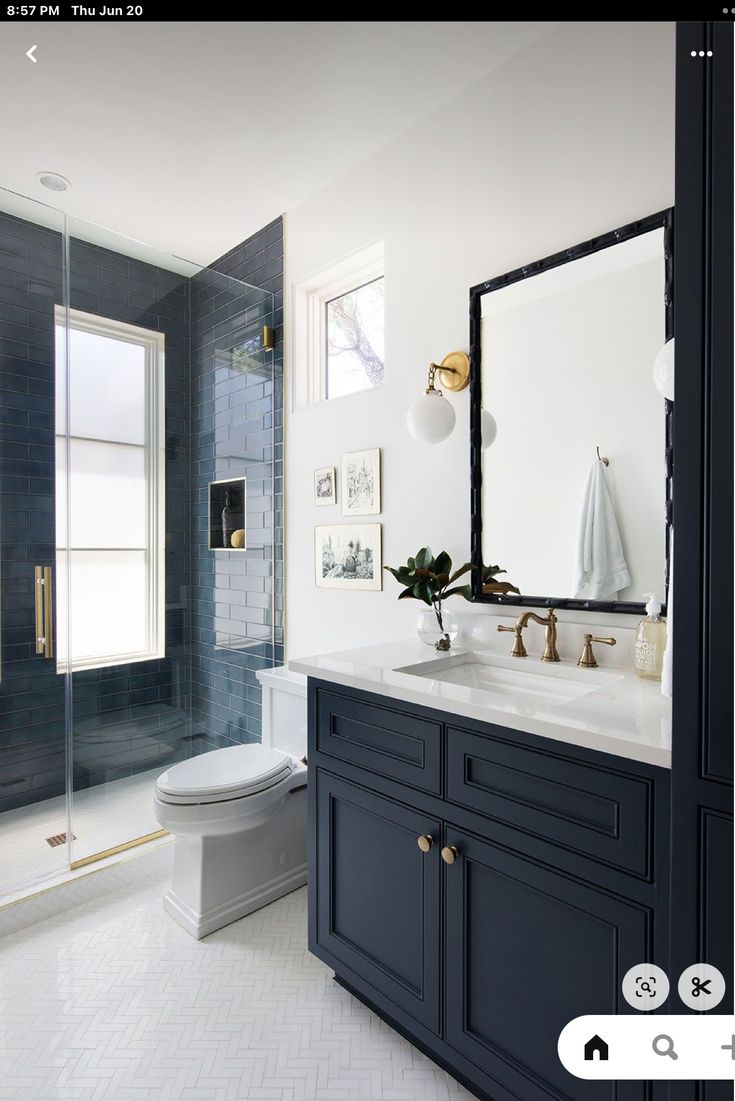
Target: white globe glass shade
[489, 429]
[430, 419]
[663, 370]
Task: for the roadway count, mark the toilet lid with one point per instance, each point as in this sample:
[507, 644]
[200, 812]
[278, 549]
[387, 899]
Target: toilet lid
[234, 771]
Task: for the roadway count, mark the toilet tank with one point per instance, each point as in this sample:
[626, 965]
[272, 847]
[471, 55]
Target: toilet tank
[284, 710]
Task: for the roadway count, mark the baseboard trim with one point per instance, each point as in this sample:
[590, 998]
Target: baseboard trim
[200, 925]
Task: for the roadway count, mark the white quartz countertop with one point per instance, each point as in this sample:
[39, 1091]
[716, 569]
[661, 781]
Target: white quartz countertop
[627, 716]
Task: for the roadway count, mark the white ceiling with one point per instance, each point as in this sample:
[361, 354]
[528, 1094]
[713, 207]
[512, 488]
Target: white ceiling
[191, 136]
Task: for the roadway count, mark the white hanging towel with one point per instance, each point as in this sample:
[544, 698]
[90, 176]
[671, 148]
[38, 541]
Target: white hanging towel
[600, 569]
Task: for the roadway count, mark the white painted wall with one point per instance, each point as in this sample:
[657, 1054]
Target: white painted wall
[568, 139]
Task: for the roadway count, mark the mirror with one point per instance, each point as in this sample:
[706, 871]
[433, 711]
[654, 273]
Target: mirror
[562, 357]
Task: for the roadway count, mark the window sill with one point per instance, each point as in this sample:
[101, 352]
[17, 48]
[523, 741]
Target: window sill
[108, 663]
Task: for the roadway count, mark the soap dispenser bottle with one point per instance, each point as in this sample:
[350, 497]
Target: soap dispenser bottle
[650, 641]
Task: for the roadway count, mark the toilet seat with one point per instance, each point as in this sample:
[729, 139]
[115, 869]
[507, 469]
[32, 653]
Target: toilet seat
[224, 774]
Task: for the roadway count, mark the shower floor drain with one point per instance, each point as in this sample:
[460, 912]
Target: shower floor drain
[58, 839]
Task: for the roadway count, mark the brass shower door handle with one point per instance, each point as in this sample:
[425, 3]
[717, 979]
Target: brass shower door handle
[44, 593]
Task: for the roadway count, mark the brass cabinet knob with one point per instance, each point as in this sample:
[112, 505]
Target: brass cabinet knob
[450, 854]
[425, 842]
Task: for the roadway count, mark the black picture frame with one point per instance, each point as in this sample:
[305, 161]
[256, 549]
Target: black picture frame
[662, 219]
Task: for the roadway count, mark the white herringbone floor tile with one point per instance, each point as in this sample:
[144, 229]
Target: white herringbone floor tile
[113, 1002]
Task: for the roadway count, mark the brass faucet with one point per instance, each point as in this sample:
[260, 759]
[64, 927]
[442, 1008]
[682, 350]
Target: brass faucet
[587, 659]
[549, 622]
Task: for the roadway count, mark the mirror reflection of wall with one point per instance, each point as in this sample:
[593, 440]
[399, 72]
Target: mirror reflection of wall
[566, 359]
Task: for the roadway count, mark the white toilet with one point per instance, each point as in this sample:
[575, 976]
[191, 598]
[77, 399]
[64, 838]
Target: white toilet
[239, 816]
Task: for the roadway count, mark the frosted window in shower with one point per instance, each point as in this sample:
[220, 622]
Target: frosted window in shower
[110, 500]
[110, 491]
[109, 605]
[108, 387]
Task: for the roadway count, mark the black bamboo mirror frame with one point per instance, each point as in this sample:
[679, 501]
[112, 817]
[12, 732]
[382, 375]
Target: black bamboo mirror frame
[663, 219]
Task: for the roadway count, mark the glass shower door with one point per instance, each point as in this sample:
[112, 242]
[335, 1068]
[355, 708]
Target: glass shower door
[148, 337]
[123, 546]
[33, 806]
[133, 387]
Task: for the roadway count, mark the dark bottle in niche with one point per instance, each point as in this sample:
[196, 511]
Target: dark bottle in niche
[229, 521]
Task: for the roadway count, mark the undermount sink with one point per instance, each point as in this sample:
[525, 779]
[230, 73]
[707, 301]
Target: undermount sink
[521, 680]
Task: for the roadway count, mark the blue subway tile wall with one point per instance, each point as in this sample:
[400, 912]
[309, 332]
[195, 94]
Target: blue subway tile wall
[126, 718]
[236, 431]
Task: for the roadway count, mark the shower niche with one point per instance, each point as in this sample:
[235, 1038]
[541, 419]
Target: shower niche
[227, 500]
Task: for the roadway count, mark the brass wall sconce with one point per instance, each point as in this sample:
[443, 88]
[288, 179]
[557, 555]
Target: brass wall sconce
[453, 372]
[431, 418]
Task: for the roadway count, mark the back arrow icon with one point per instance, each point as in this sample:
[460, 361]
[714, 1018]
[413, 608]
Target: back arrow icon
[29, 53]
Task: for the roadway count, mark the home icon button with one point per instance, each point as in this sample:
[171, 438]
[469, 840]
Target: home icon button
[596, 1048]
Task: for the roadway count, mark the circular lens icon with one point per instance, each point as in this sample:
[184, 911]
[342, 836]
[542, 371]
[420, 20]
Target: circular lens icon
[645, 987]
[701, 987]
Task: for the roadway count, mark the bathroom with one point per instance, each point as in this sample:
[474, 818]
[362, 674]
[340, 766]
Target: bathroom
[199, 721]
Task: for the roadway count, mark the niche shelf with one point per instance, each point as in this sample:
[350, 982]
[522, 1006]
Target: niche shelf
[235, 489]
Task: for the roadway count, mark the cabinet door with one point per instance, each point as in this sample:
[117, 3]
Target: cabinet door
[528, 949]
[378, 903]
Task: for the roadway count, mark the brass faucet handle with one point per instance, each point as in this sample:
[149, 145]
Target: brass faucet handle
[519, 650]
[587, 659]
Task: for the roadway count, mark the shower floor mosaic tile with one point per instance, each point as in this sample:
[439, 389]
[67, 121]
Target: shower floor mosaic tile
[114, 1002]
[102, 817]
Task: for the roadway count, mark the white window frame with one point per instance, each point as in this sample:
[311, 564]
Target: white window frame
[309, 298]
[155, 476]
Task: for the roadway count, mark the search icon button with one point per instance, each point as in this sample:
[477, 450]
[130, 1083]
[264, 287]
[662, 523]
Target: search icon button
[664, 1045]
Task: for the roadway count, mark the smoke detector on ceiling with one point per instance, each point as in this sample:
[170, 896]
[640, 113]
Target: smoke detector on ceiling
[53, 181]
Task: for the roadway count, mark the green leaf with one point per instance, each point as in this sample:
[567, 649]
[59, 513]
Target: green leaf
[491, 571]
[459, 590]
[461, 571]
[442, 563]
[500, 587]
[425, 559]
[411, 564]
[402, 576]
[407, 594]
[422, 591]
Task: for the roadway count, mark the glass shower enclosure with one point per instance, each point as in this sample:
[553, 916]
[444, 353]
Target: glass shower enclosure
[137, 474]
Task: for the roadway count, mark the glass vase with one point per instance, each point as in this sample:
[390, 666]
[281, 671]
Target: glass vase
[432, 634]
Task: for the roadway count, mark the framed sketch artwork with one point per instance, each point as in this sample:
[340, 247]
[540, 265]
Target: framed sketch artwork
[325, 486]
[348, 556]
[361, 483]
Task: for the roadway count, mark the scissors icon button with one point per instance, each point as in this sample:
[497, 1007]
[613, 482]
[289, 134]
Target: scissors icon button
[701, 987]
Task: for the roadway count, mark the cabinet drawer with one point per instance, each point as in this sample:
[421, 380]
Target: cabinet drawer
[391, 743]
[602, 813]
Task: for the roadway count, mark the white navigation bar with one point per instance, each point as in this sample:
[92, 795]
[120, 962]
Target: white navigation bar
[650, 1046]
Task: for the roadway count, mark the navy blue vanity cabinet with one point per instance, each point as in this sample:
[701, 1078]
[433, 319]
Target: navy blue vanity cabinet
[528, 949]
[379, 895]
[541, 876]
